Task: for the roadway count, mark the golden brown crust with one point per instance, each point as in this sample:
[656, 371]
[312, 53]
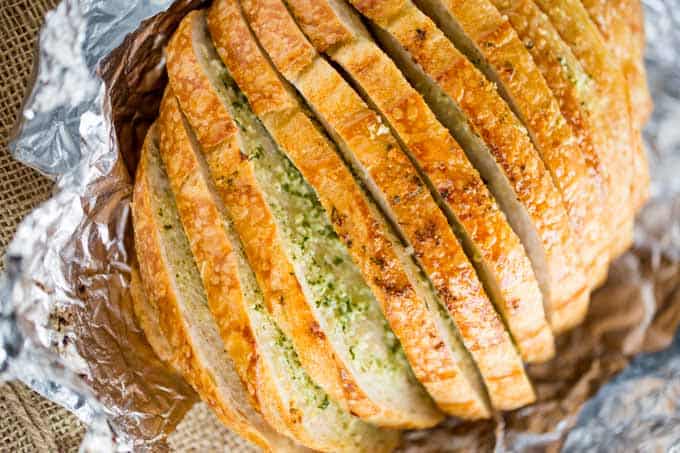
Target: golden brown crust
[581, 184]
[236, 184]
[415, 210]
[491, 118]
[244, 199]
[229, 403]
[539, 111]
[217, 262]
[611, 113]
[356, 221]
[622, 35]
[634, 13]
[210, 246]
[449, 170]
[621, 23]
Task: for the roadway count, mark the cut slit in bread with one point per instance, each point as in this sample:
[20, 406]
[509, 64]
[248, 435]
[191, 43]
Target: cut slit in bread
[310, 284]
[376, 157]
[610, 111]
[437, 356]
[495, 142]
[264, 357]
[172, 284]
[491, 245]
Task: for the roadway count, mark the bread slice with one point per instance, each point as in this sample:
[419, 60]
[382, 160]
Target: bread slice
[376, 157]
[612, 18]
[496, 143]
[494, 249]
[263, 356]
[437, 356]
[610, 113]
[572, 89]
[493, 44]
[310, 284]
[173, 285]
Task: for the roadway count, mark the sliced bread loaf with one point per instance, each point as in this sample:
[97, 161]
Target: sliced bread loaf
[490, 244]
[497, 144]
[309, 282]
[172, 284]
[575, 164]
[488, 40]
[485, 36]
[377, 158]
[610, 111]
[436, 354]
[264, 357]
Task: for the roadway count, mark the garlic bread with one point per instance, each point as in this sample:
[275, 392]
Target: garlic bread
[309, 282]
[438, 358]
[172, 283]
[377, 158]
[496, 143]
[491, 245]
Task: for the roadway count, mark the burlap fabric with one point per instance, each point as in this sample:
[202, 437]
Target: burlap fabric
[28, 422]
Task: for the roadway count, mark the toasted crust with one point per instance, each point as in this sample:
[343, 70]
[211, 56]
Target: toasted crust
[216, 259]
[355, 219]
[610, 111]
[621, 23]
[582, 185]
[212, 250]
[375, 154]
[504, 59]
[194, 340]
[244, 198]
[512, 150]
[233, 300]
[441, 159]
[622, 35]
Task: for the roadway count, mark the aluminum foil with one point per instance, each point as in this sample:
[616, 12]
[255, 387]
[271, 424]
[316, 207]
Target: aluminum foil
[66, 327]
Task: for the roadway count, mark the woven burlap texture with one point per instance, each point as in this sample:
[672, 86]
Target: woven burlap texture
[28, 422]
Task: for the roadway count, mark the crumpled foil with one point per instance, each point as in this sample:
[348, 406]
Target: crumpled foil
[66, 324]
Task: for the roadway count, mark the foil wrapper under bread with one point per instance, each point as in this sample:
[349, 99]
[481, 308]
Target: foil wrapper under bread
[66, 324]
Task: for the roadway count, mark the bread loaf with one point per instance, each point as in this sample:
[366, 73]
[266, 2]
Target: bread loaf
[358, 216]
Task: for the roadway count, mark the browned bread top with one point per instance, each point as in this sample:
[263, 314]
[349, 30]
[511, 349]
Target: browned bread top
[406, 299]
[493, 248]
[340, 232]
[377, 158]
[336, 325]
